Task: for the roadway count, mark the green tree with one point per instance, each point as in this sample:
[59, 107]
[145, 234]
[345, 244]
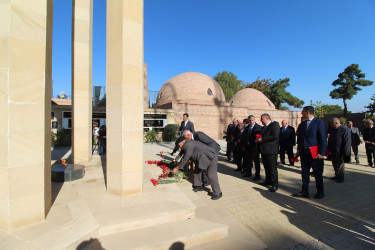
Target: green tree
[333, 109]
[229, 83]
[371, 106]
[347, 84]
[276, 92]
[260, 84]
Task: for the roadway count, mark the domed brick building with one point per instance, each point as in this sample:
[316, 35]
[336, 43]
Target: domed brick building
[252, 99]
[202, 98]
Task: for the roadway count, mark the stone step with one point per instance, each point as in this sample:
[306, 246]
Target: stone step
[142, 216]
[173, 235]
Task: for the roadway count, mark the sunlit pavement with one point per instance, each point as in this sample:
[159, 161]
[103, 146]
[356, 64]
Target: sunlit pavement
[344, 218]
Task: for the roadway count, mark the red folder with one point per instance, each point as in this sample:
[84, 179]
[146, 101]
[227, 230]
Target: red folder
[314, 150]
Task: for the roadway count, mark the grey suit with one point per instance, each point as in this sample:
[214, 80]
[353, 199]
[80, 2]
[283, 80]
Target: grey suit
[356, 140]
[205, 158]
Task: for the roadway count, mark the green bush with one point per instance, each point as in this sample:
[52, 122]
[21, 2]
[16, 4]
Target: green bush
[151, 136]
[343, 121]
[169, 133]
[62, 138]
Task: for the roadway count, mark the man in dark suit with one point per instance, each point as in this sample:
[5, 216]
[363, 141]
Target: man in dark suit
[287, 141]
[369, 138]
[311, 133]
[252, 149]
[186, 124]
[230, 138]
[239, 146]
[269, 148]
[205, 139]
[339, 143]
[205, 158]
[356, 140]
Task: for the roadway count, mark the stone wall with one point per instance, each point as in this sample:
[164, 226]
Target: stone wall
[213, 120]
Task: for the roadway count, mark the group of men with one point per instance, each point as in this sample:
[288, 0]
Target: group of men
[248, 142]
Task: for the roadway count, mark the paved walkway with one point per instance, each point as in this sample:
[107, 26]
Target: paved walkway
[344, 218]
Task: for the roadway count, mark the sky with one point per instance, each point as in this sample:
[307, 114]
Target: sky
[310, 42]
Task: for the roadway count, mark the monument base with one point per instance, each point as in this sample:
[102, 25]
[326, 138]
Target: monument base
[71, 172]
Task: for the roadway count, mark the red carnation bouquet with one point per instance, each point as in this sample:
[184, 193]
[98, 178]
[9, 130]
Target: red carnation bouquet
[166, 176]
[258, 136]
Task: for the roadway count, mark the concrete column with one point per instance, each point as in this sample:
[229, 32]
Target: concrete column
[25, 107]
[124, 96]
[82, 81]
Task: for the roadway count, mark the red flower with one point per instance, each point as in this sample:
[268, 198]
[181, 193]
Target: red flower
[258, 136]
[154, 182]
[162, 157]
[161, 152]
[295, 159]
[149, 162]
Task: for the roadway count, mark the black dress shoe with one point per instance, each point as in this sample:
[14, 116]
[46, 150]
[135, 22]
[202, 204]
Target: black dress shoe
[216, 197]
[197, 189]
[256, 178]
[264, 184]
[319, 195]
[246, 175]
[301, 195]
[273, 188]
[333, 178]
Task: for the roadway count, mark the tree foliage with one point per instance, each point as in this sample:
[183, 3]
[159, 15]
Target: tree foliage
[276, 92]
[324, 109]
[371, 106]
[347, 84]
[229, 83]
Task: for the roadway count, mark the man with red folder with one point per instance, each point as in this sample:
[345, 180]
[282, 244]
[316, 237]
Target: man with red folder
[311, 133]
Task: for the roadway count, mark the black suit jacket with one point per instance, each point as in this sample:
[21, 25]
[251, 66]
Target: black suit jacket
[369, 134]
[288, 137]
[251, 136]
[270, 139]
[189, 126]
[339, 141]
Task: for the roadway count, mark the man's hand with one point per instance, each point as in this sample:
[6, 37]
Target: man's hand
[319, 156]
[175, 170]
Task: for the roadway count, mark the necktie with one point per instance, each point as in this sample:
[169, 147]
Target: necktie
[308, 123]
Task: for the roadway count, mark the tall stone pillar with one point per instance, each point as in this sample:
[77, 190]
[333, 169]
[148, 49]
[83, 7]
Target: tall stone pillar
[82, 81]
[25, 107]
[124, 96]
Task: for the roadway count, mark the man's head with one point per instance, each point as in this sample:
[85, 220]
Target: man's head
[265, 118]
[240, 125]
[284, 123]
[246, 122]
[235, 121]
[307, 112]
[336, 122]
[349, 124]
[251, 119]
[370, 123]
[185, 117]
[187, 134]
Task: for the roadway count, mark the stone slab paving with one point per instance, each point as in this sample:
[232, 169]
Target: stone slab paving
[281, 221]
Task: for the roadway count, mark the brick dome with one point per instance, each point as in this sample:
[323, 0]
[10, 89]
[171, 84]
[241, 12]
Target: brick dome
[251, 98]
[192, 88]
